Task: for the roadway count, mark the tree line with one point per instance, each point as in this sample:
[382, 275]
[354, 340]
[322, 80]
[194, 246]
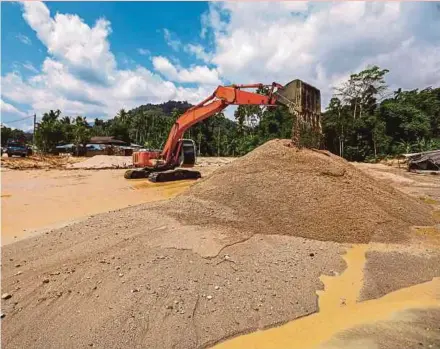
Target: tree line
[362, 122]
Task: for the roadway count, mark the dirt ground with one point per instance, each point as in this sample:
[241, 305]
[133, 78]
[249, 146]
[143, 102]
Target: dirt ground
[126, 277]
[415, 184]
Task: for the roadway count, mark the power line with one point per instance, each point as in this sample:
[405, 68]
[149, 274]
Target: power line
[17, 120]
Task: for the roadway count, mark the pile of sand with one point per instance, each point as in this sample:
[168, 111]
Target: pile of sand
[277, 189]
[101, 162]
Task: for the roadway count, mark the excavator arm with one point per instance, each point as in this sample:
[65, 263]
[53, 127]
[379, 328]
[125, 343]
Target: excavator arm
[222, 97]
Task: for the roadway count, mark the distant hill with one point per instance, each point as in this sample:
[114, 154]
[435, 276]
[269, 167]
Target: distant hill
[166, 107]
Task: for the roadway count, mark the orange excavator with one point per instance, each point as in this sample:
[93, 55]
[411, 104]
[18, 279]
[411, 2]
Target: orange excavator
[179, 153]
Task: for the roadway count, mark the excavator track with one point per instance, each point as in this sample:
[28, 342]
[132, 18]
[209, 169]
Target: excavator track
[176, 175]
[136, 174]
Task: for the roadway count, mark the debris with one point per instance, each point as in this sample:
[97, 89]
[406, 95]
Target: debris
[6, 296]
[429, 160]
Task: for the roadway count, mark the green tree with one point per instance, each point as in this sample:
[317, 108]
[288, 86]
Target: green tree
[11, 134]
[81, 133]
[49, 132]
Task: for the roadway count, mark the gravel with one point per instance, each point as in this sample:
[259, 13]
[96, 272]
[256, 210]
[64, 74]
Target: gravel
[386, 272]
[163, 269]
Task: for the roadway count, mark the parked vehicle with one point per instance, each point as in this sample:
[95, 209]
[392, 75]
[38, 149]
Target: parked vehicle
[15, 148]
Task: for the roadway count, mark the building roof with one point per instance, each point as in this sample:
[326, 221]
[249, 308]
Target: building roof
[106, 140]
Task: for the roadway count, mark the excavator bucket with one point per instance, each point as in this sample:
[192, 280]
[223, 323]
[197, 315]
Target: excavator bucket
[305, 98]
[304, 102]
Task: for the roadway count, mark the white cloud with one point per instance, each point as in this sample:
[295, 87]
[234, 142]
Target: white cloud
[80, 76]
[199, 52]
[323, 43]
[24, 39]
[196, 74]
[171, 42]
[9, 109]
[29, 66]
[143, 51]
[85, 50]
[56, 88]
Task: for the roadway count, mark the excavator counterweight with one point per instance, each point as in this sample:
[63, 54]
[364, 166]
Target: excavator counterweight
[302, 99]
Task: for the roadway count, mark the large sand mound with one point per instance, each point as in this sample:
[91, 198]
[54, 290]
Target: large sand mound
[277, 189]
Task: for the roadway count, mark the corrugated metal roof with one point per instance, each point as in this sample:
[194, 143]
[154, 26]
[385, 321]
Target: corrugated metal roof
[106, 140]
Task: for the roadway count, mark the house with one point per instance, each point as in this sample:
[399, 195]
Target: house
[108, 140]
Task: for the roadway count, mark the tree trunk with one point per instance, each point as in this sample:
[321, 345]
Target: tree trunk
[375, 148]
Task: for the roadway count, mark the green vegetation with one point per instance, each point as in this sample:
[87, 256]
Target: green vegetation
[360, 123]
[11, 134]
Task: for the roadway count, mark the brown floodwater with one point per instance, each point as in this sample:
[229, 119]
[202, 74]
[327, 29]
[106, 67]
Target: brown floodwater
[38, 200]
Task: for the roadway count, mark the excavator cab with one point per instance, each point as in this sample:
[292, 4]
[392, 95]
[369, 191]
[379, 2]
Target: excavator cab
[188, 151]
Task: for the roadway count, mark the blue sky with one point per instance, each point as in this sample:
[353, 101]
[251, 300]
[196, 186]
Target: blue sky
[134, 25]
[94, 58]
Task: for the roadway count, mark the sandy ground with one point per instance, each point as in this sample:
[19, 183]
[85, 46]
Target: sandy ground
[201, 286]
[415, 184]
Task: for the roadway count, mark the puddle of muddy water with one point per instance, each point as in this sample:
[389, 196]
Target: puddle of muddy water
[339, 310]
[430, 234]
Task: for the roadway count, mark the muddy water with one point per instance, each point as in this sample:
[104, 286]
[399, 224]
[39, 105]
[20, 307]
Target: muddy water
[38, 200]
[339, 310]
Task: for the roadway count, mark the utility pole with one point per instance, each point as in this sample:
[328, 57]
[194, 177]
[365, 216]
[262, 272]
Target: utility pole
[35, 123]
